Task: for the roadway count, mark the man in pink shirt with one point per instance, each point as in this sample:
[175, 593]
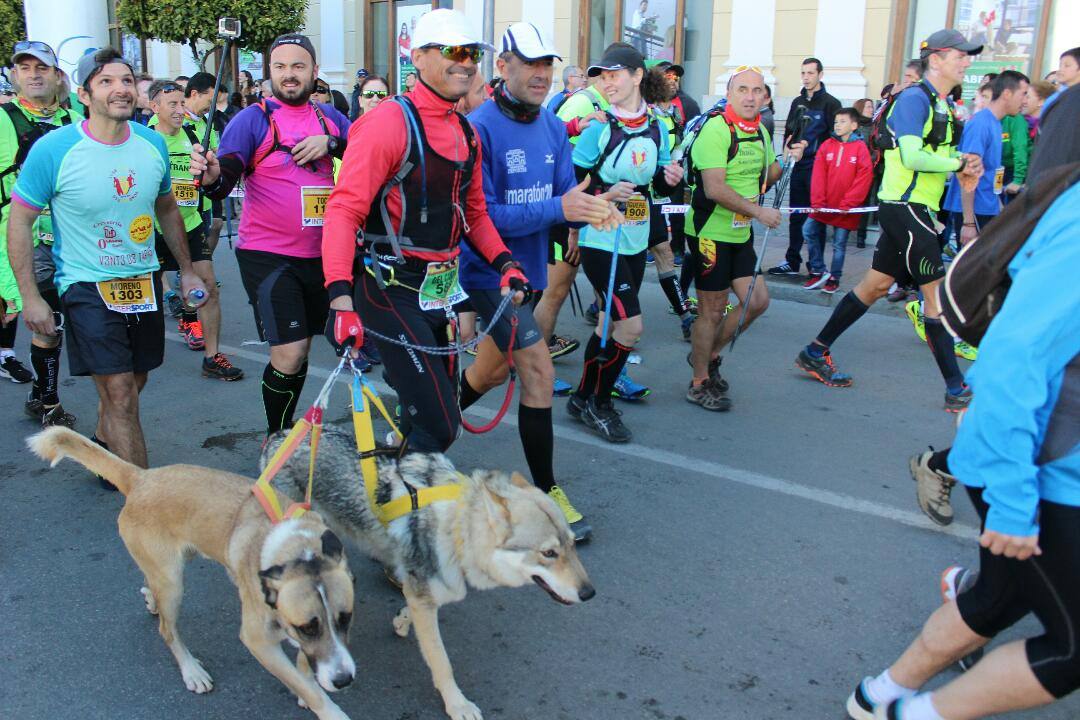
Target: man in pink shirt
[282, 150]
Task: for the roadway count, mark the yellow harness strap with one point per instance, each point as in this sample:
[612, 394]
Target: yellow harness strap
[365, 444]
[265, 493]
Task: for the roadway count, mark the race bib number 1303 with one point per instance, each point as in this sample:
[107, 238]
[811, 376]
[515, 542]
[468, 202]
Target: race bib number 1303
[129, 295]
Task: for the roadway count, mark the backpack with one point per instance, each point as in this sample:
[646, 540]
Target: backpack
[27, 133]
[978, 280]
[691, 133]
[617, 142]
[882, 138]
[275, 133]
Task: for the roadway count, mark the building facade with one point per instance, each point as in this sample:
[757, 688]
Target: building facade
[863, 44]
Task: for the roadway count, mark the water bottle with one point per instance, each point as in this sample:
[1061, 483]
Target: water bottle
[195, 297]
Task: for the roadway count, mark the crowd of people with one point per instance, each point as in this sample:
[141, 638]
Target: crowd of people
[465, 234]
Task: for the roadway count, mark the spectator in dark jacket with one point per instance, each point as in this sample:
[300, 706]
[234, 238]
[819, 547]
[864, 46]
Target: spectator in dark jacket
[768, 112]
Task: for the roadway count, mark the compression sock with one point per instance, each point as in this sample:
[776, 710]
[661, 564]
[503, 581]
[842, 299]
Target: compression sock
[281, 393]
[188, 316]
[670, 285]
[847, 312]
[590, 373]
[538, 442]
[46, 362]
[939, 461]
[468, 394]
[941, 344]
[883, 689]
[686, 275]
[611, 364]
[919, 707]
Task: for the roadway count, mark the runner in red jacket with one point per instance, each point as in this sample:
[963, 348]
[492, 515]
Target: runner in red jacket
[411, 184]
[841, 180]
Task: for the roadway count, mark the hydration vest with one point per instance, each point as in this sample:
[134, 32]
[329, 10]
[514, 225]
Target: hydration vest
[276, 145]
[702, 205]
[423, 226]
[27, 132]
[617, 143]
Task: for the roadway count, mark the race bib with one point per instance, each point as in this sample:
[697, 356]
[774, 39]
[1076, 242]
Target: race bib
[314, 204]
[637, 210]
[999, 180]
[129, 295]
[441, 288]
[739, 221]
[185, 192]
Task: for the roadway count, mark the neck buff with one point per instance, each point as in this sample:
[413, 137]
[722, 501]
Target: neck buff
[45, 112]
[513, 108]
[747, 126]
[631, 120]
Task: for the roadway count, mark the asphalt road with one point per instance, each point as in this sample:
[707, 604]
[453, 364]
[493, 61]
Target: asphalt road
[754, 564]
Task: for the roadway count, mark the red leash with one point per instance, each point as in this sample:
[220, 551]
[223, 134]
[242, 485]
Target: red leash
[509, 388]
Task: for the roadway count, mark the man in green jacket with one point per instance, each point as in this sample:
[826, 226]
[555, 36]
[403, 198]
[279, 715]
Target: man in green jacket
[34, 112]
[1014, 153]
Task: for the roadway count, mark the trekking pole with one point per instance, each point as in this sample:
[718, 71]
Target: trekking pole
[778, 199]
[610, 287]
[229, 29]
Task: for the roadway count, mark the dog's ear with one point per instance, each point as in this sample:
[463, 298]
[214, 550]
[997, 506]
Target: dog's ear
[331, 546]
[269, 578]
[498, 515]
[519, 480]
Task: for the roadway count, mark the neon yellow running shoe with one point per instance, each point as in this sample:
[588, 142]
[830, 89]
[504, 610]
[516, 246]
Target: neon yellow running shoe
[914, 313]
[966, 350]
[578, 524]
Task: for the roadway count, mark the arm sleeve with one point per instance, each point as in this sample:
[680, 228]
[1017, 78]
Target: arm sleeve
[906, 121]
[519, 219]
[236, 151]
[1031, 340]
[482, 236]
[365, 168]
[819, 181]
[864, 175]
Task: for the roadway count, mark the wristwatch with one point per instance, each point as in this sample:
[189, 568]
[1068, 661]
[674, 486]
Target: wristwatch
[963, 163]
[332, 144]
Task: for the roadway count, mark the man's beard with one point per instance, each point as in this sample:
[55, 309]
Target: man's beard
[305, 91]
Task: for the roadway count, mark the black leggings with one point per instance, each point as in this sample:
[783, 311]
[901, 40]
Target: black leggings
[1046, 585]
[427, 393]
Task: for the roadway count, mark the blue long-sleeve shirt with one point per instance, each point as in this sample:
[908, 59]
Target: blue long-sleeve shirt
[527, 169]
[1019, 379]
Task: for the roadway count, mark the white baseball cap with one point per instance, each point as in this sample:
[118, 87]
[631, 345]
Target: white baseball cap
[527, 42]
[445, 27]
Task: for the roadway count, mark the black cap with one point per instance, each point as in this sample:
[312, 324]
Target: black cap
[947, 40]
[669, 67]
[618, 56]
[294, 39]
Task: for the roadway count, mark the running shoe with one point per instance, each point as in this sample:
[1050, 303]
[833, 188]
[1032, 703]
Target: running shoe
[831, 285]
[193, 335]
[859, 705]
[57, 415]
[14, 370]
[708, 396]
[914, 312]
[577, 522]
[561, 345]
[784, 269]
[626, 389]
[561, 389]
[173, 303]
[959, 402]
[897, 294]
[966, 351]
[678, 260]
[822, 368]
[816, 280]
[633, 359]
[714, 370]
[603, 419]
[687, 327]
[649, 258]
[956, 580]
[592, 314]
[219, 368]
[933, 489]
[575, 407]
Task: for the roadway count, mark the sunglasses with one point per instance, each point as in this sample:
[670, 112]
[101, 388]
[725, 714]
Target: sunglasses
[24, 45]
[167, 88]
[459, 53]
[744, 68]
[322, 90]
[369, 94]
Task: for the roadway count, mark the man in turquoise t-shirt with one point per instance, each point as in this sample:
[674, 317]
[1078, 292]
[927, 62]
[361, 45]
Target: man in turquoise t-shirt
[104, 180]
[726, 187]
[200, 329]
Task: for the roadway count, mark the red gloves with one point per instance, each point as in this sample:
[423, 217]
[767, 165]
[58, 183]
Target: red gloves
[344, 330]
[514, 279]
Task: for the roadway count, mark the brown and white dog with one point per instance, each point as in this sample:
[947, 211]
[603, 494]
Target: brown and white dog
[293, 577]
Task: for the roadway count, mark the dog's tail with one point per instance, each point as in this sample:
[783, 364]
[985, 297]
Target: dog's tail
[57, 443]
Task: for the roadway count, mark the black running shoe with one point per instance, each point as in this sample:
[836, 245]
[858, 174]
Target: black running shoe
[603, 419]
[822, 368]
[14, 370]
[219, 368]
[57, 415]
[561, 345]
[575, 406]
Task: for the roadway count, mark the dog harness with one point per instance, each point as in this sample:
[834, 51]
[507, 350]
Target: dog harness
[363, 397]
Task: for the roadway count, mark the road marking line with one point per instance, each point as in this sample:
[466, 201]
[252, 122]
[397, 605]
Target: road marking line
[711, 469]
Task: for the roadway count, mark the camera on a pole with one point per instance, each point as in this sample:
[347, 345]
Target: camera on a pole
[228, 28]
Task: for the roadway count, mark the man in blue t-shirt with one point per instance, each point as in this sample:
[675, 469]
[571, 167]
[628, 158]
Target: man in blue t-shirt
[970, 210]
[529, 187]
[104, 181]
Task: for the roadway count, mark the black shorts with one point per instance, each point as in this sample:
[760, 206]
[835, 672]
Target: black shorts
[559, 244]
[721, 263]
[198, 248]
[486, 302]
[658, 227]
[908, 247]
[286, 293]
[217, 209]
[1007, 590]
[101, 341]
[629, 270]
